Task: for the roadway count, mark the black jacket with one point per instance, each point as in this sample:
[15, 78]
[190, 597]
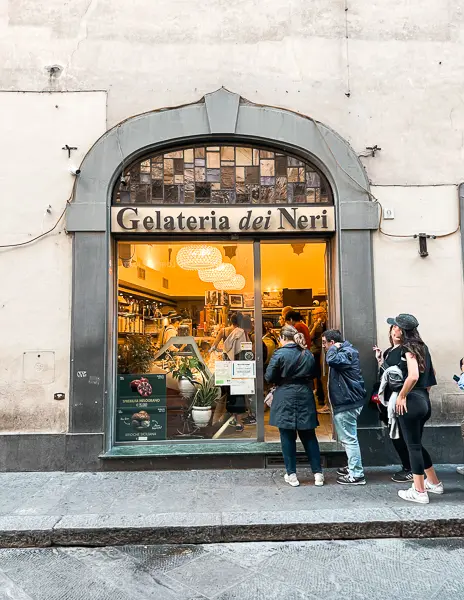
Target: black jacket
[346, 383]
[293, 405]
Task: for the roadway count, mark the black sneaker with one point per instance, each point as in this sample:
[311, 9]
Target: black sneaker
[343, 471]
[348, 480]
[250, 420]
[402, 476]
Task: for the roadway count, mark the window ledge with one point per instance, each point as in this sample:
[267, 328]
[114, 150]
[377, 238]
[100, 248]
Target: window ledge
[143, 451]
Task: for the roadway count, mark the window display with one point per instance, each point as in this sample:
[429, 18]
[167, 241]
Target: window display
[187, 336]
[172, 336]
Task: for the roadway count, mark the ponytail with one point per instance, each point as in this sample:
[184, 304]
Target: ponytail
[300, 340]
[289, 333]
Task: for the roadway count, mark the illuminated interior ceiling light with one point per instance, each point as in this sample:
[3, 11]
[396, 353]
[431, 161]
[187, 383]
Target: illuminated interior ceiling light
[196, 257]
[223, 272]
[236, 283]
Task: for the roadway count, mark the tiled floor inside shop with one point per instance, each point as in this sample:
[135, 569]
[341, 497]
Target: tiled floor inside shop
[324, 431]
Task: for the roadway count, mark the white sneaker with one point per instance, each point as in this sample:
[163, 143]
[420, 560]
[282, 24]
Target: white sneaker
[434, 488]
[318, 479]
[460, 470]
[412, 495]
[292, 480]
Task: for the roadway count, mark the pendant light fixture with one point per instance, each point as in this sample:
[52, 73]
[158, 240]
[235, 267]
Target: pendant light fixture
[201, 256]
[236, 283]
[223, 272]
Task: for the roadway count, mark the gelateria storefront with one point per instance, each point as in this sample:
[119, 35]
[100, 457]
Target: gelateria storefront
[240, 233]
[210, 238]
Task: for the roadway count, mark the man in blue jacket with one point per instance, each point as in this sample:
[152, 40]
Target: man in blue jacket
[347, 396]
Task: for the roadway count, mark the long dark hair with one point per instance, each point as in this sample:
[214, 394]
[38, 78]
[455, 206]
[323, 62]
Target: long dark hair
[413, 343]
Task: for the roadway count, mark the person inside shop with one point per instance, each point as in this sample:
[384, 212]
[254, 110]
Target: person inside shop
[318, 325]
[247, 326]
[232, 338]
[270, 342]
[391, 358]
[285, 311]
[413, 406]
[460, 383]
[347, 396]
[171, 330]
[293, 409]
[294, 319]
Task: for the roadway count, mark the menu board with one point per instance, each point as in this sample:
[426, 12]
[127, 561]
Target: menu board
[140, 425]
[141, 407]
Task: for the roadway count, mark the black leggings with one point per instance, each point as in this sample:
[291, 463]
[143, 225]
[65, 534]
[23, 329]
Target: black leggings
[412, 425]
[398, 443]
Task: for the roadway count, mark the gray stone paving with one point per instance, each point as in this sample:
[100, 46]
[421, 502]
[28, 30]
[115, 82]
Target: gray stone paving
[330, 570]
[43, 509]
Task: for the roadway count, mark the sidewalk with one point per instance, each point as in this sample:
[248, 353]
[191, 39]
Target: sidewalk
[96, 509]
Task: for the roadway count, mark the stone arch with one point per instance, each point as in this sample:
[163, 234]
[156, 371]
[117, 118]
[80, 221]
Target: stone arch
[219, 114]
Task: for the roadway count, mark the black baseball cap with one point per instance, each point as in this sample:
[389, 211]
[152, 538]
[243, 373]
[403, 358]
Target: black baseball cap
[404, 321]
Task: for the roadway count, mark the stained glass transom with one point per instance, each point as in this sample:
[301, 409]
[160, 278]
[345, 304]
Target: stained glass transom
[222, 175]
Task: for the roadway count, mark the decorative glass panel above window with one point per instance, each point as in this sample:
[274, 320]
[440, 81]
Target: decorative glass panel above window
[223, 174]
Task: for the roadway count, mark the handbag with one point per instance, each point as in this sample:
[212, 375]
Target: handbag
[270, 396]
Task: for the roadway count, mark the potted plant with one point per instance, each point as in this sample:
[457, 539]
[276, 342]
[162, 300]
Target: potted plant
[204, 400]
[203, 390]
[183, 371]
[136, 354]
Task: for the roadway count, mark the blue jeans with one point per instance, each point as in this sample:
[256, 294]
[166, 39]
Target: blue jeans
[311, 445]
[346, 424]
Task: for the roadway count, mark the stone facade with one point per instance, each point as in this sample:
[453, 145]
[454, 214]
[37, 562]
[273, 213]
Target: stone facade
[376, 74]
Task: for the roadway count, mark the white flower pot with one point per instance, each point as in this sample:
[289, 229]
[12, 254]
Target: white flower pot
[187, 390]
[201, 415]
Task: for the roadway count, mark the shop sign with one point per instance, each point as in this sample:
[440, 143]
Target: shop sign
[230, 219]
[141, 407]
[141, 425]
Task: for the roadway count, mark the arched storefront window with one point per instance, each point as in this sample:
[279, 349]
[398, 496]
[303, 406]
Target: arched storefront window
[223, 174]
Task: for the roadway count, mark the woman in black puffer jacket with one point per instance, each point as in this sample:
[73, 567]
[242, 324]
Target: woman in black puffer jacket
[293, 409]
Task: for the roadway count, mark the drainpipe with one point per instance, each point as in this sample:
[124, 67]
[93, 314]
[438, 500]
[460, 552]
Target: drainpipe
[461, 221]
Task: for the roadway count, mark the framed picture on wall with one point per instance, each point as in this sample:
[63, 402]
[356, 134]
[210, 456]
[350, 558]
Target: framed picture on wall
[216, 298]
[211, 298]
[223, 298]
[273, 299]
[248, 300]
[235, 300]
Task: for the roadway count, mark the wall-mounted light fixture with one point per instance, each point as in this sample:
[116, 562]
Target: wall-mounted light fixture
[298, 248]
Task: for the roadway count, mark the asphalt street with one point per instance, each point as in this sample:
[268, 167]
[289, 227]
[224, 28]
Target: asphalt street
[338, 570]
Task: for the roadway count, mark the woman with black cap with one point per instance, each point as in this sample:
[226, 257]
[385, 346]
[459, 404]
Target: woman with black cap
[413, 406]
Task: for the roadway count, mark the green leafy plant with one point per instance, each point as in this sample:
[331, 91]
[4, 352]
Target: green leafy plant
[136, 354]
[206, 394]
[185, 368]
[206, 391]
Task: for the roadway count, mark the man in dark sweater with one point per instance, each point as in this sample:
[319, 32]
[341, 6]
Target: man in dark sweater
[347, 396]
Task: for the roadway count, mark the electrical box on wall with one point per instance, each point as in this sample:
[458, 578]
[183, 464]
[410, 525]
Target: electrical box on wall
[388, 213]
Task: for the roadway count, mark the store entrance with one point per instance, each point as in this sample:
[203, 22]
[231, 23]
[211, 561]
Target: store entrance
[294, 283]
[189, 317]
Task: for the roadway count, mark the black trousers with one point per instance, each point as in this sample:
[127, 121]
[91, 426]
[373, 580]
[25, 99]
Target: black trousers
[412, 425]
[399, 444]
